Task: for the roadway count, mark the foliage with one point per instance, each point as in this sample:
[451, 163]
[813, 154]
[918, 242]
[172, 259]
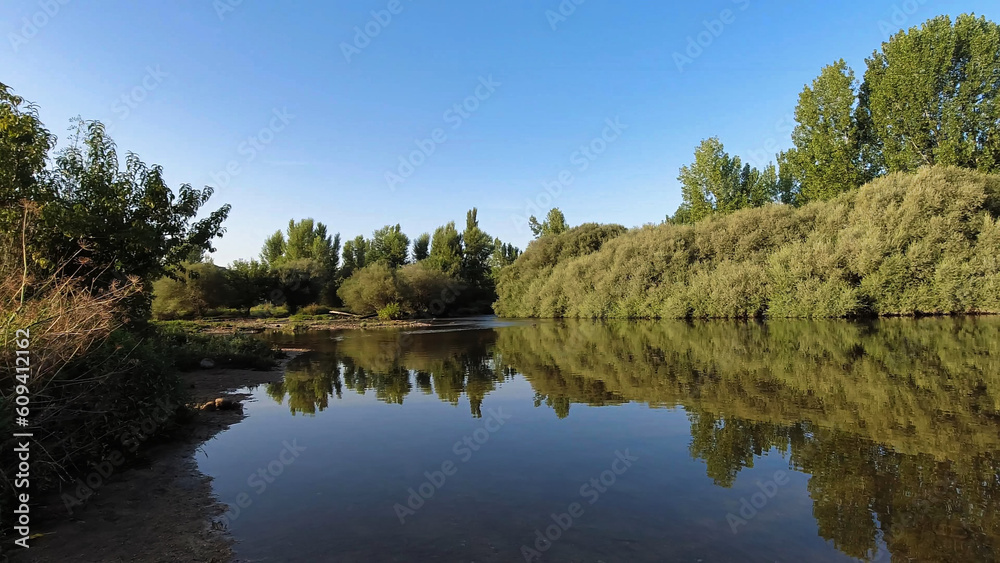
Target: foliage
[518, 283]
[299, 283]
[389, 245]
[418, 289]
[716, 183]
[827, 159]
[249, 283]
[421, 247]
[370, 289]
[554, 224]
[355, 255]
[446, 249]
[121, 222]
[905, 244]
[24, 148]
[240, 351]
[390, 312]
[427, 290]
[197, 288]
[503, 255]
[477, 247]
[274, 249]
[931, 95]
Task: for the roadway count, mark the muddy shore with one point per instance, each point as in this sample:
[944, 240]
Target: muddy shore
[160, 508]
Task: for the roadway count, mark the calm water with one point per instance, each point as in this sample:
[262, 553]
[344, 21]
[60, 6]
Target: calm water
[655, 441]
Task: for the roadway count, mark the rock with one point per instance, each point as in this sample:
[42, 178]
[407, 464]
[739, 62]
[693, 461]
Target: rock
[221, 404]
[207, 364]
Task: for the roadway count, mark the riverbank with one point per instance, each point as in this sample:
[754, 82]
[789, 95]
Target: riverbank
[290, 324]
[161, 507]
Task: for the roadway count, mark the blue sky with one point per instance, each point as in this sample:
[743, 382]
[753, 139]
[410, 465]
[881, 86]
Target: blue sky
[290, 113]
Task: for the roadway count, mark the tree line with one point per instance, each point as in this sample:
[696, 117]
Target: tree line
[928, 97]
[387, 274]
[888, 203]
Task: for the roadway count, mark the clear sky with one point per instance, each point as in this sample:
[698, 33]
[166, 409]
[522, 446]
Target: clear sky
[289, 112]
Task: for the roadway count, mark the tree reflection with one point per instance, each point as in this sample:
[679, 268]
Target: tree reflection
[897, 422]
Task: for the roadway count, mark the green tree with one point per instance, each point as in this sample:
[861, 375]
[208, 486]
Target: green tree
[719, 183]
[310, 240]
[24, 149]
[370, 289]
[446, 249]
[389, 245]
[355, 255]
[299, 282]
[828, 158]
[249, 283]
[120, 221]
[931, 95]
[421, 247]
[477, 249]
[273, 250]
[196, 288]
[503, 255]
[554, 224]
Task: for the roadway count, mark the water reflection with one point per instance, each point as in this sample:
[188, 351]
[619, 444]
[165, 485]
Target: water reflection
[897, 422]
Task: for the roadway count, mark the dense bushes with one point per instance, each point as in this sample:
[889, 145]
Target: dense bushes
[927, 243]
[413, 289]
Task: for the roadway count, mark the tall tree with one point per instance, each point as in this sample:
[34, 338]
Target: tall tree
[477, 248]
[718, 183]
[827, 159]
[273, 250]
[446, 249]
[421, 247]
[389, 245]
[554, 224]
[504, 254]
[249, 283]
[931, 95]
[355, 255]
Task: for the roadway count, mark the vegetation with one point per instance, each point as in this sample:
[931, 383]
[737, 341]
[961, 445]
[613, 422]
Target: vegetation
[452, 273]
[886, 205]
[929, 97]
[926, 243]
[82, 241]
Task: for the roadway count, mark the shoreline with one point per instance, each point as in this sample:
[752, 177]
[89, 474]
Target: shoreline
[255, 325]
[160, 507]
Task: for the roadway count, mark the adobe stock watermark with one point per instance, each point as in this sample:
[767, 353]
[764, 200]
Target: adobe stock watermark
[253, 146]
[900, 15]
[259, 480]
[581, 160]
[750, 508]
[223, 7]
[714, 28]
[364, 35]
[456, 116]
[436, 479]
[33, 24]
[562, 12]
[130, 100]
[592, 491]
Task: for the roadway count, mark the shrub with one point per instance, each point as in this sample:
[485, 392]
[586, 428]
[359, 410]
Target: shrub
[924, 243]
[370, 289]
[390, 312]
[187, 349]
